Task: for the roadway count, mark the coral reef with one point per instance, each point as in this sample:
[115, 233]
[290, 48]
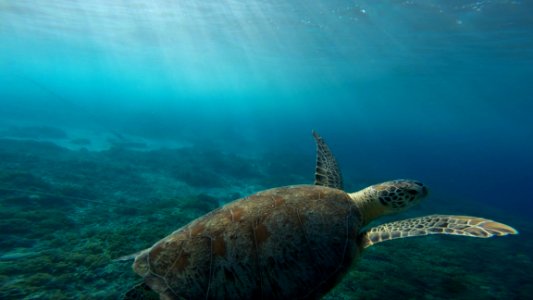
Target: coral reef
[66, 215]
[35, 132]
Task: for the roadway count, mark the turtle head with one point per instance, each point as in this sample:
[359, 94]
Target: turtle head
[389, 198]
[398, 195]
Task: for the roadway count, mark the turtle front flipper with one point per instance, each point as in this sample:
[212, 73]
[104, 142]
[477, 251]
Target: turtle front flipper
[327, 171]
[435, 224]
[140, 291]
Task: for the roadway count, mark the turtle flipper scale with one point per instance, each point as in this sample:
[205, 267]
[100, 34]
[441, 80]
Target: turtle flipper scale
[327, 171]
[435, 224]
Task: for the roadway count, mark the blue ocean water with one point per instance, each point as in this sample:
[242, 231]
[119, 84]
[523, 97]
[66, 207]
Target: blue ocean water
[439, 91]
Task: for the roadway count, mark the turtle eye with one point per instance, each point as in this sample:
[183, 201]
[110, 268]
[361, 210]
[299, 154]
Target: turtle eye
[412, 192]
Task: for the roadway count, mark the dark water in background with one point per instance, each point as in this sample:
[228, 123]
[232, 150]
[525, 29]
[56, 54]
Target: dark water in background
[435, 90]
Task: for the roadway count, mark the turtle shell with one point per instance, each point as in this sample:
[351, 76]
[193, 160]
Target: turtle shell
[286, 243]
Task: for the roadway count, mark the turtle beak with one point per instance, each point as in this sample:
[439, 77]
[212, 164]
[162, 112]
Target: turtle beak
[424, 192]
[422, 189]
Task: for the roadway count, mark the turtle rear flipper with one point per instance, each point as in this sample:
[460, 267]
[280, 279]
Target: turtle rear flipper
[327, 171]
[140, 291]
[435, 224]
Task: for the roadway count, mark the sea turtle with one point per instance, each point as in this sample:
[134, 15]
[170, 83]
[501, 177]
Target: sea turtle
[293, 242]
